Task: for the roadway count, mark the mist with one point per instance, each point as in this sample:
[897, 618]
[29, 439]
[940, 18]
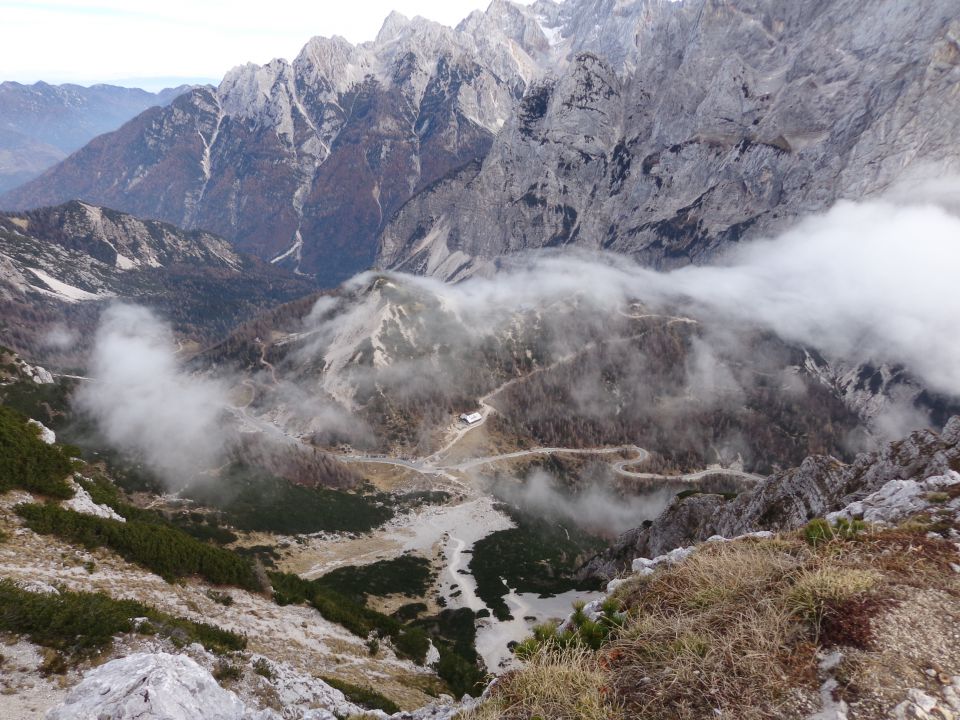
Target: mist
[871, 281]
[146, 403]
[596, 509]
[864, 282]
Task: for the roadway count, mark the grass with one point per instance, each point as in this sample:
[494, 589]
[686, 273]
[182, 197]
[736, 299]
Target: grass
[819, 588]
[731, 631]
[78, 623]
[559, 685]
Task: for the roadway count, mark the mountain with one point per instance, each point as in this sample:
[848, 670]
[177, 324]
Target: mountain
[41, 124]
[388, 362]
[304, 162]
[592, 123]
[679, 127]
[59, 266]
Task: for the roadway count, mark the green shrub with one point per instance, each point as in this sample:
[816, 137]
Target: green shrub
[412, 643]
[538, 556]
[410, 611]
[255, 501]
[262, 667]
[221, 598]
[226, 672]
[28, 463]
[461, 676]
[365, 697]
[168, 552]
[47, 403]
[453, 632]
[820, 531]
[104, 492]
[407, 575]
[77, 623]
[582, 632]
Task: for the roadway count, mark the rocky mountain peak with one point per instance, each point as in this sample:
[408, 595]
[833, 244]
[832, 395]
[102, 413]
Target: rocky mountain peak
[392, 27]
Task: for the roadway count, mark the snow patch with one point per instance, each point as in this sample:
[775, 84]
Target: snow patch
[64, 291]
[125, 263]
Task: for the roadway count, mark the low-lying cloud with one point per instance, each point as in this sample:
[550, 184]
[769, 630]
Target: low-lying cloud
[596, 509]
[872, 281]
[868, 282]
[146, 403]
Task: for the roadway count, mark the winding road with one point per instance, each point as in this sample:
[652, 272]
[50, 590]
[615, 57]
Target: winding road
[454, 471]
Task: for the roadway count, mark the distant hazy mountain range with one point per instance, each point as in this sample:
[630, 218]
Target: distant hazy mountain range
[41, 124]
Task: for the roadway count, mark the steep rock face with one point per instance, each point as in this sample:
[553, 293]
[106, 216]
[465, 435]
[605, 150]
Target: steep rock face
[302, 163]
[124, 241]
[41, 124]
[59, 265]
[882, 396]
[788, 500]
[676, 128]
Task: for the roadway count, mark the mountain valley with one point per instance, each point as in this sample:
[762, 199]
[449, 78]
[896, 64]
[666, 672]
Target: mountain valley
[588, 360]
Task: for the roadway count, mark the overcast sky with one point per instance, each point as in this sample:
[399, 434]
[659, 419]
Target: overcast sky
[129, 40]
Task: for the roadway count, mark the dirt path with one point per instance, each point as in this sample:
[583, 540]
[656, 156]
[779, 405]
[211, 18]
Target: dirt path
[263, 360]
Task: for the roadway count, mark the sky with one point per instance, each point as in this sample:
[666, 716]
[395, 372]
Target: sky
[150, 43]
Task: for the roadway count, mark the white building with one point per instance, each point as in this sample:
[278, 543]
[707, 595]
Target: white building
[471, 418]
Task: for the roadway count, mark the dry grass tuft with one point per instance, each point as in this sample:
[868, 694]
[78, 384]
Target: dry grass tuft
[817, 588]
[712, 634]
[559, 685]
[732, 631]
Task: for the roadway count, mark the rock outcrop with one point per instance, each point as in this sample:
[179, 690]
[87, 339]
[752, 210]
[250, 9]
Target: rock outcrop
[666, 130]
[152, 685]
[176, 687]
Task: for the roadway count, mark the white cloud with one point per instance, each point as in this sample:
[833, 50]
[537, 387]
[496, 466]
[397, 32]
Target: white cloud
[71, 40]
[874, 281]
[146, 403]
